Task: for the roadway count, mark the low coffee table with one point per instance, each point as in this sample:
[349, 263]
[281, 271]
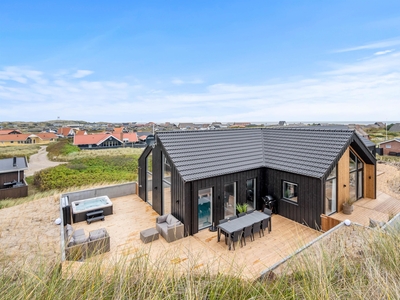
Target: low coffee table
[149, 235]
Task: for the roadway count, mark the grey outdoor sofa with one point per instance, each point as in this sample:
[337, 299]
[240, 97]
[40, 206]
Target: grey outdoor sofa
[79, 247]
[170, 228]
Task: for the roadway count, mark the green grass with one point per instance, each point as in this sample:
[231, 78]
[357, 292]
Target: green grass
[387, 158]
[87, 167]
[61, 148]
[87, 171]
[321, 273]
[379, 135]
[19, 151]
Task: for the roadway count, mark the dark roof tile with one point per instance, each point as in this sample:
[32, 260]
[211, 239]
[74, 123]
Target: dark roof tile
[305, 151]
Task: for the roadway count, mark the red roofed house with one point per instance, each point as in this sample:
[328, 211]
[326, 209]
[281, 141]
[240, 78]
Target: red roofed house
[81, 132]
[9, 131]
[66, 131]
[105, 140]
[27, 138]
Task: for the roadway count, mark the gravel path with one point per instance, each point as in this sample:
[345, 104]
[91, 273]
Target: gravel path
[40, 161]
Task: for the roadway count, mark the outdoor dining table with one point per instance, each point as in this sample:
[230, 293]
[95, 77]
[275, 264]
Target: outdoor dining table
[242, 222]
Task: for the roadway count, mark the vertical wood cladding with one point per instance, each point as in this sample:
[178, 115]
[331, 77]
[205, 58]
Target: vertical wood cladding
[370, 181]
[9, 177]
[309, 206]
[217, 184]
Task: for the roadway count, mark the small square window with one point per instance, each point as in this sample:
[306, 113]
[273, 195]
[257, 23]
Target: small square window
[290, 191]
[388, 146]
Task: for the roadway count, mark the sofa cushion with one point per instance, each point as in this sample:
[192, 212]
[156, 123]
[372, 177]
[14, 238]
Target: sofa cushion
[69, 231]
[171, 219]
[162, 219]
[174, 224]
[80, 239]
[71, 242]
[79, 232]
[96, 235]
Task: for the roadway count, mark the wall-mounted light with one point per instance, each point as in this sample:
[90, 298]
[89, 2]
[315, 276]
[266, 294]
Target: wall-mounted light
[369, 177]
[155, 187]
[177, 201]
[344, 185]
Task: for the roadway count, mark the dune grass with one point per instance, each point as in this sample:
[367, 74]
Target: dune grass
[322, 273]
[20, 150]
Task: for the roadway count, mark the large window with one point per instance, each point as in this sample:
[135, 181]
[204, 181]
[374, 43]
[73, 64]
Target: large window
[330, 193]
[251, 193]
[204, 207]
[230, 199]
[166, 185]
[356, 177]
[290, 191]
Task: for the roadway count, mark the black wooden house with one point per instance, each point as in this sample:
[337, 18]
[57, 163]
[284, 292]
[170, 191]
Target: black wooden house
[201, 176]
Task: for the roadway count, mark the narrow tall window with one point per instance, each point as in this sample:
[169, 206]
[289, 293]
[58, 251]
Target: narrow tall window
[330, 193]
[166, 197]
[149, 178]
[251, 196]
[230, 199]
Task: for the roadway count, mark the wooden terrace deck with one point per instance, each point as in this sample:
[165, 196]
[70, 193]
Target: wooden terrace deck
[132, 215]
[379, 209]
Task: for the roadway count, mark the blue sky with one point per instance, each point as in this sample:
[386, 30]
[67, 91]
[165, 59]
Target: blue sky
[257, 61]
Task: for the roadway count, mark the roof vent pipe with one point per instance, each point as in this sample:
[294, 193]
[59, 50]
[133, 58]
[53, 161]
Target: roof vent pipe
[14, 161]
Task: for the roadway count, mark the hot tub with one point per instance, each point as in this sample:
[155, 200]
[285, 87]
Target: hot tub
[82, 207]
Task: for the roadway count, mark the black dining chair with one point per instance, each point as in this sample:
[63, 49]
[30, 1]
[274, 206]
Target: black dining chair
[236, 237]
[226, 235]
[241, 214]
[269, 213]
[247, 232]
[256, 228]
[250, 211]
[232, 218]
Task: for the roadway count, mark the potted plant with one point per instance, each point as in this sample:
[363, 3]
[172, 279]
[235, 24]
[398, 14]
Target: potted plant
[348, 206]
[240, 208]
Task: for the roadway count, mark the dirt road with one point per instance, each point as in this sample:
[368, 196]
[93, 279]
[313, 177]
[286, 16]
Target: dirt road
[40, 161]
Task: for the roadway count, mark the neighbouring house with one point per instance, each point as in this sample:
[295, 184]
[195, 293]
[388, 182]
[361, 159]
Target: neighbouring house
[106, 140]
[27, 138]
[282, 123]
[66, 131]
[200, 176]
[12, 178]
[9, 131]
[81, 132]
[395, 128]
[186, 126]
[390, 147]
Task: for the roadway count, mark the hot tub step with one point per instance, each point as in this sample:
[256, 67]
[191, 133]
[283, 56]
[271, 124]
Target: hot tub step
[94, 216]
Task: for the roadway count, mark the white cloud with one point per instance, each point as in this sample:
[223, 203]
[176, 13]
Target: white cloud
[363, 90]
[178, 81]
[376, 45]
[82, 73]
[383, 52]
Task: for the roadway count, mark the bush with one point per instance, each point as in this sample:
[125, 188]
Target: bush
[88, 171]
[62, 147]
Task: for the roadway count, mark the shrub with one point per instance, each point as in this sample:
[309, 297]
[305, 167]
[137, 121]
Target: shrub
[88, 171]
